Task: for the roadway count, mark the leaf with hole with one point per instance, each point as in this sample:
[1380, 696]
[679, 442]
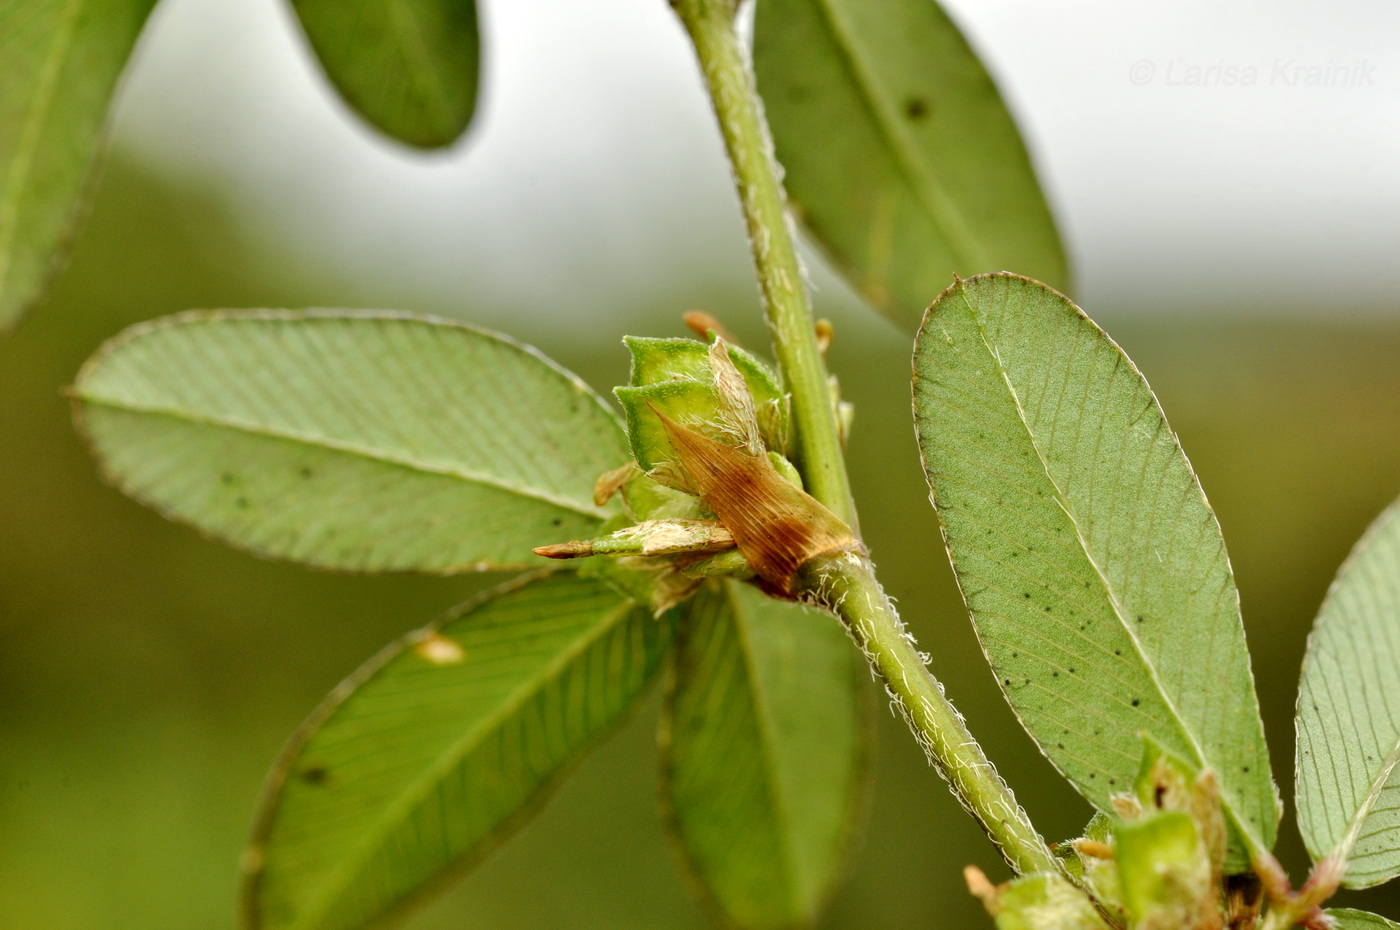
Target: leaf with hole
[62, 61]
[354, 441]
[426, 758]
[1349, 714]
[763, 753]
[409, 67]
[1087, 554]
[899, 154]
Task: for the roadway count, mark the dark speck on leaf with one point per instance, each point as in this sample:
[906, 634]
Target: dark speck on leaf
[1136, 702]
[316, 775]
[1006, 681]
[916, 108]
[1139, 618]
[558, 521]
[306, 471]
[227, 477]
[1118, 652]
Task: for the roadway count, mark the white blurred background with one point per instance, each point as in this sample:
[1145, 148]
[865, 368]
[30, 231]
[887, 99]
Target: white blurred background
[594, 175]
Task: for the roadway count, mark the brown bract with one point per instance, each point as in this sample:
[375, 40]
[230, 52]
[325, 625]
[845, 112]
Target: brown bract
[776, 525]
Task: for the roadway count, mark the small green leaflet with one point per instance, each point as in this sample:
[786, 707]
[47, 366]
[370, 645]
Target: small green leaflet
[425, 759]
[1348, 919]
[1090, 560]
[62, 60]
[763, 749]
[899, 155]
[409, 67]
[1349, 714]
[353, 441]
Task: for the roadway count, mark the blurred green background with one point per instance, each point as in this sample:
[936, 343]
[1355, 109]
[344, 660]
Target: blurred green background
[148, 676]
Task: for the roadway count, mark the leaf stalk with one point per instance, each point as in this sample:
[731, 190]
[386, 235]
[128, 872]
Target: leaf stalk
[847, 586]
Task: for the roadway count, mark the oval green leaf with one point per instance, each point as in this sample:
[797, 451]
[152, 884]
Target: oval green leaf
[409, 67]
[426, 758]
[1087, 554]
[1349, 714]
[763, 748]
[353, 441]
[900, 156]
[1349, 919]
[62, 59]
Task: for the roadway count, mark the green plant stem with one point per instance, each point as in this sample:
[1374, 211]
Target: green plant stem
[846, 585]
[785, 301]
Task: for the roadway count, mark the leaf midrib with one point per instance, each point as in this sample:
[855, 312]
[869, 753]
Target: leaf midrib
[1254, 842]
[1345, 845]
[409, 801]
[348, 448]
[937, 204]
[43, 98]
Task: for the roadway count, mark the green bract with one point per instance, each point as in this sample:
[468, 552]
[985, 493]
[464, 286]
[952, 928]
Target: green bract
[675, 377]
[1043, 901]
[1161, 871]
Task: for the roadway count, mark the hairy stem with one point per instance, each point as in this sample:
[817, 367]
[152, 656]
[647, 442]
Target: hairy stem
[847, 586]
[785, 301]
